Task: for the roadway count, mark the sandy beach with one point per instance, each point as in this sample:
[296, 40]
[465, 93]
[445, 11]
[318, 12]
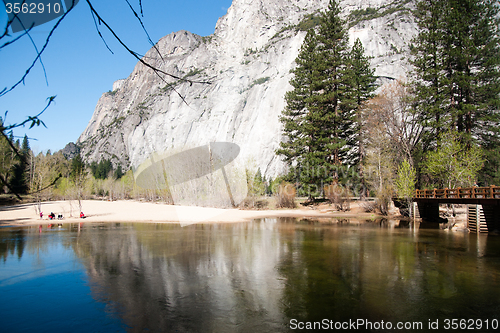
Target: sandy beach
[136, 211]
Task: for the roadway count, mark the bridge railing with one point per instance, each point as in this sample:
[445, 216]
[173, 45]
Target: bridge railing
[491, 192]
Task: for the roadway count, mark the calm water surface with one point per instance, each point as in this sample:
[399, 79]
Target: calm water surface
[270, 275]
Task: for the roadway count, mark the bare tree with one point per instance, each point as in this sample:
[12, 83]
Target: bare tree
[390, 135]
[379, 166]
[391, 109]
[43, 175]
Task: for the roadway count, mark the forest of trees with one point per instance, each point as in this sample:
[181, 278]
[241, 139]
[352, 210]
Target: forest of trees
[46, 176]
[39, 177]
[436, 130]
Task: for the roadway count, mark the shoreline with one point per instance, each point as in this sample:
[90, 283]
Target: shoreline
[137, 211]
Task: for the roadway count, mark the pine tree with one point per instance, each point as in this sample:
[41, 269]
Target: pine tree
[363, 81]
[25, 147]
[119, 172]
[457, 65]
[473, 69]
[19, 181]
[104, 168]
[297, 141]
[429, 63]
[334, 100]
[363, 74]
[319, 121]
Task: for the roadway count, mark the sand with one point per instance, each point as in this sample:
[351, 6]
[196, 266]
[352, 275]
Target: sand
[136, 211]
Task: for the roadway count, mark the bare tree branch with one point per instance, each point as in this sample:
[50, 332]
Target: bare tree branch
[144, 29]
[46, 187]
[156, 70]
[9, 23]
[39, 54]
[99, 31]
[34, 121]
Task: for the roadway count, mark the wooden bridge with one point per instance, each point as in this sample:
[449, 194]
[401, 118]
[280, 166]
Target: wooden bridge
[483, 210]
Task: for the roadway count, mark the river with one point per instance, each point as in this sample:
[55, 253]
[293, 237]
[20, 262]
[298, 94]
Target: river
[269, 275]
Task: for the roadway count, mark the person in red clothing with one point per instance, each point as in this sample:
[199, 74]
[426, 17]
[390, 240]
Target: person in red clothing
[82, 216]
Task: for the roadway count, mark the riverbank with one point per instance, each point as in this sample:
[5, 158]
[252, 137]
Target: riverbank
[136, 211]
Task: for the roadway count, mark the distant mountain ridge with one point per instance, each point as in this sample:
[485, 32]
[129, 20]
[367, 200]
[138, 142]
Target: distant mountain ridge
[248, 61]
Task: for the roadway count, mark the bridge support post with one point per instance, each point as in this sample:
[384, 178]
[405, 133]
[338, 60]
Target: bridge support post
[414, 213]
[483, 218]
[428, 211]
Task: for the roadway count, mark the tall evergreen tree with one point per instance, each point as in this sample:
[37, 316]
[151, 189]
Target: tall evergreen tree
[25, 146]
[19, 181]
[363, 74]
[334, 84]
[299, 141]
[363, 81]
[319, 121]
[457, 67]
[429, 63]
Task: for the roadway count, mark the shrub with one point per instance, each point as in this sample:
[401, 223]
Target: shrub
[383, 201]
[253, 203]
[339, 196]
[286, 196]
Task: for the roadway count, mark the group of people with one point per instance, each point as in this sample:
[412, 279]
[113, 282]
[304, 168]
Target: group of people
[52, 216]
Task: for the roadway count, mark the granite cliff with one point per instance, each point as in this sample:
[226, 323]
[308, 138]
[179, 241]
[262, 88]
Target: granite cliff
[247, 61]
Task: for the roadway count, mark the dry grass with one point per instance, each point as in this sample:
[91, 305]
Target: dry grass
[368, 206]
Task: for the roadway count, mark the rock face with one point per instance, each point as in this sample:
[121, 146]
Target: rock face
[70, 150]
[247, 62]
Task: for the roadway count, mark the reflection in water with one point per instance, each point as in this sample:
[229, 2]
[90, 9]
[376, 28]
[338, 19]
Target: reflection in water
[258, 276]
[341, 274]
[198, 278]
[13, 243]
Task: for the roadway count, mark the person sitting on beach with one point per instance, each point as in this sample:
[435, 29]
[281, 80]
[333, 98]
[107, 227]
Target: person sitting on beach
[59, 217]
[82, 216]
[52, 216]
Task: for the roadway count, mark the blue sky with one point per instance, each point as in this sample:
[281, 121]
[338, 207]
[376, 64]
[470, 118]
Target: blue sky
[80, 68]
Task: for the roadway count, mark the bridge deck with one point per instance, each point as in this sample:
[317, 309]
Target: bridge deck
[469, 195]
